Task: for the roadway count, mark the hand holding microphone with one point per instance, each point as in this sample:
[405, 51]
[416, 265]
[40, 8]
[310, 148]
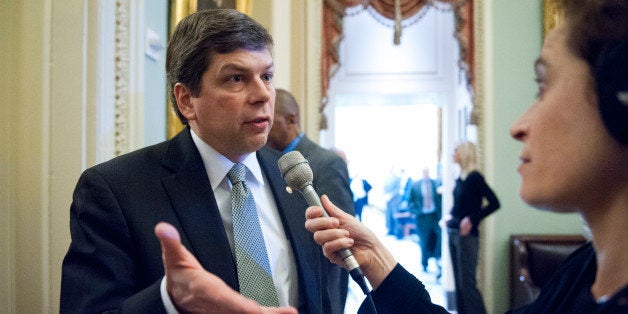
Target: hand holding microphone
[298, 175]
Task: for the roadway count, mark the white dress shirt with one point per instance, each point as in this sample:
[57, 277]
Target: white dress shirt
[280, 255]
[428, 198]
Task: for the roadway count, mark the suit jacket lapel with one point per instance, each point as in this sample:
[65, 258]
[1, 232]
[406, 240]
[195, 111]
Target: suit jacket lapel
[194, 203]
[202, 230]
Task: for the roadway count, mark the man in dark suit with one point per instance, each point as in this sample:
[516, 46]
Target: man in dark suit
[331, 176]
[360, 189]
[425, 202]
[219, 68]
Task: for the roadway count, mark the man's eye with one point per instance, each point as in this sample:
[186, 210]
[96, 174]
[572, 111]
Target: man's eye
[267, 77]
[237, 78]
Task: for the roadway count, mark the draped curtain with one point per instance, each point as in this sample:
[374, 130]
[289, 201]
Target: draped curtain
[397, 10]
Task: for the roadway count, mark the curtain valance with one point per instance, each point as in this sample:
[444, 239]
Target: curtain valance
[396, 10]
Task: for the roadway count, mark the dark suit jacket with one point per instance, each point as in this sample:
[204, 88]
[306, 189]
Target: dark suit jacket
[415, 200]
[114, 261]
[331, 178]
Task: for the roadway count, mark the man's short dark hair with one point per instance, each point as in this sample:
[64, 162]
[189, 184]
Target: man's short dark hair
[201, 35]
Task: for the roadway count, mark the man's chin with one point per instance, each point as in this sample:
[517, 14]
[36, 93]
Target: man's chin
[255, 143]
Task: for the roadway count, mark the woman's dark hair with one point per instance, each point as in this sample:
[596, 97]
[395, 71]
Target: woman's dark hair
[201, 35]
[594, 25]
[597, 31]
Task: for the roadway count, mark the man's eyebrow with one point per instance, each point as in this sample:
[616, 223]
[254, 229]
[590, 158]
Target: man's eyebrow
[238, 68]
[232, 67]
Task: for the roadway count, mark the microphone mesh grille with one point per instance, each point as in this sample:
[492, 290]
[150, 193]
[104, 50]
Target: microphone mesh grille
[295, 170]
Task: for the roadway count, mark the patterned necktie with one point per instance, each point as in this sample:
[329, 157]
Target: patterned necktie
[254, 274]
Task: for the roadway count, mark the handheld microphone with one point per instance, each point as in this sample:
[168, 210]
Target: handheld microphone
[296, 171]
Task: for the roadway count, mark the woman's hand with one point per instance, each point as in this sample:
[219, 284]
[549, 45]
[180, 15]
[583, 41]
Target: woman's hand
[343, 231]
[465, 226]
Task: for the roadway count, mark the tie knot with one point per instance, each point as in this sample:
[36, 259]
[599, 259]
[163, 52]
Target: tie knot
[237, 173]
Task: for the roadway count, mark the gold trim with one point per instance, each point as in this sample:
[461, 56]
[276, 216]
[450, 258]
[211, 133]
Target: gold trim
[178, 10]
[122, 117]
[551, 17]
[244, 6]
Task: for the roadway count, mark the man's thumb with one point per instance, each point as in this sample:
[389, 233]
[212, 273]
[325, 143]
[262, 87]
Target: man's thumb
[172, 250]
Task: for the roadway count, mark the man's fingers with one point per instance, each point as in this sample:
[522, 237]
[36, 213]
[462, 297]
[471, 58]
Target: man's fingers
[279, 310]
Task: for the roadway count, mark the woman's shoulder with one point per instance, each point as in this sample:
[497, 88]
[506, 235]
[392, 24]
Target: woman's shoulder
[474, 176]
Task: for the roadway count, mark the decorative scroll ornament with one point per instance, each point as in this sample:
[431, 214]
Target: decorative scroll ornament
[121, 63]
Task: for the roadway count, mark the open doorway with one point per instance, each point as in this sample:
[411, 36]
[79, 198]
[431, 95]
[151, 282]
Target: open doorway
[400, 107]
[378, 139]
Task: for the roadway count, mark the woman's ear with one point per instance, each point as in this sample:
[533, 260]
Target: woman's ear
[183, 95]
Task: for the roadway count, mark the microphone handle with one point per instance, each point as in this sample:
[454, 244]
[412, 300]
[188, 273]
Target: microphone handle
[312, 199]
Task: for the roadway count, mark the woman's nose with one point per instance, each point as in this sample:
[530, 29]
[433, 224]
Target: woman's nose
[518, 130]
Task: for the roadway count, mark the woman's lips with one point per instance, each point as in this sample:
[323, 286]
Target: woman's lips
[524, 161]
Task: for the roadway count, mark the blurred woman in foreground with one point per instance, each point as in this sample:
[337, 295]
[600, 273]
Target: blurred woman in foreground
[574, 159]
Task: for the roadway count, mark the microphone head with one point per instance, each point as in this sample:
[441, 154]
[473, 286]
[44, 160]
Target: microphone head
[295, 170]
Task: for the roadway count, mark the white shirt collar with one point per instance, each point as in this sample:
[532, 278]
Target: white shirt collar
[218, 165]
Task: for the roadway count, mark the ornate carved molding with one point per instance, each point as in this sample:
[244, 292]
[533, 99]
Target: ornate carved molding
[314, 16]
[477, 113]
[121, 64]
[479, 101]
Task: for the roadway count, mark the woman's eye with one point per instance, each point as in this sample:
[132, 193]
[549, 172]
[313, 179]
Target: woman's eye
[540, 87]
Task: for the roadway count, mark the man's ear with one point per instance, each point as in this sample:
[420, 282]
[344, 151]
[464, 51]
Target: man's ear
[292, 119]
[183, 95]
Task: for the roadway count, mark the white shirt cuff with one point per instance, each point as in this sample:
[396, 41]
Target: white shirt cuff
[165, 298]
